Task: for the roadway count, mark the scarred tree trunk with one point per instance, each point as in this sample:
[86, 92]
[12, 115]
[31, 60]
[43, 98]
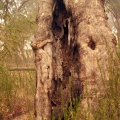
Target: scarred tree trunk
[96, 47]
[72, 48]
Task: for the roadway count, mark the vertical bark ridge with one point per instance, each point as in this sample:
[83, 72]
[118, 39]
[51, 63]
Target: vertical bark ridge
[42, 46]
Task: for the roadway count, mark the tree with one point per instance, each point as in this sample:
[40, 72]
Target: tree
[113, 6]
[73, 47]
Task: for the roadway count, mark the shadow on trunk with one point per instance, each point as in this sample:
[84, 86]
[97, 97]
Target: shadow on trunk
[66, 65]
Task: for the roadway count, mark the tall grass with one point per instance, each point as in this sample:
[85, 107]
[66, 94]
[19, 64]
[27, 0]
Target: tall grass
[16, 92]
[17, 95]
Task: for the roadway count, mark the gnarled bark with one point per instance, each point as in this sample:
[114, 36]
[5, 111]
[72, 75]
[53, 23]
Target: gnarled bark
[72, 46]
[42, 46]
[96, 46]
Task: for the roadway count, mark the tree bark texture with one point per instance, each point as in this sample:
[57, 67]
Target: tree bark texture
[43, 59]
[72, 46]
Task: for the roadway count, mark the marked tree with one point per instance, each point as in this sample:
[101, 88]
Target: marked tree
[72, 46]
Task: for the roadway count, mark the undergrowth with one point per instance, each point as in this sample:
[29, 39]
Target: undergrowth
[16, 92]
[17, 96]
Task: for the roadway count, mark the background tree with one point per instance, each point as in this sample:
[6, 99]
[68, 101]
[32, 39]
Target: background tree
[113, 6]
[18, 25]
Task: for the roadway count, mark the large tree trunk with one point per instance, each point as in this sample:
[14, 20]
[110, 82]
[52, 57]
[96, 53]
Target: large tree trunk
[72, 48]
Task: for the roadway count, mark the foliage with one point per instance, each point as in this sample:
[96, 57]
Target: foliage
[17, 24]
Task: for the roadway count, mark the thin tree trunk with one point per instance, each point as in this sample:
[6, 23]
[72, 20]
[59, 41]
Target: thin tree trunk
[72, 48]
